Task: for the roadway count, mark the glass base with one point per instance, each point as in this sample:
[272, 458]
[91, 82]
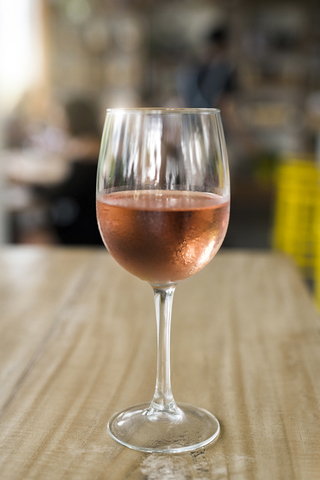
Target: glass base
[149, 429]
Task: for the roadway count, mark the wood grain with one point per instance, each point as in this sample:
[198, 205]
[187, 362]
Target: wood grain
[77, 343]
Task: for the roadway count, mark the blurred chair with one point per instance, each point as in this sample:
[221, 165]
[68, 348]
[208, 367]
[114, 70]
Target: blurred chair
[296, 210]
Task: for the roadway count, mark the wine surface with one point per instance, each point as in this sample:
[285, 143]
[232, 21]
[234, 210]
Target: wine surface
[162, 236]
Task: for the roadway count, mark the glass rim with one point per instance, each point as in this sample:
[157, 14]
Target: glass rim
[165, 110]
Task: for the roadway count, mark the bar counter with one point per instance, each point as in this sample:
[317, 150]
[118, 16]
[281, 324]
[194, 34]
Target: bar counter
[78, 343]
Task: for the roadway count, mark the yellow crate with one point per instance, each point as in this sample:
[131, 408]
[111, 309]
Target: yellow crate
[296, 207]
[317, 253]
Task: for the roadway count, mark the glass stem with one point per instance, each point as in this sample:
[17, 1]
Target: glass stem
[163, 399]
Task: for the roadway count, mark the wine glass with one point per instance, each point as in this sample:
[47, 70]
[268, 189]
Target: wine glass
[163, 211]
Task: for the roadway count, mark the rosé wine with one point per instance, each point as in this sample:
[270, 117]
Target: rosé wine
[162, 236]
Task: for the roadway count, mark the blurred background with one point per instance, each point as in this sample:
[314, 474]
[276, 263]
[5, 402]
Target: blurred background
[63, 62]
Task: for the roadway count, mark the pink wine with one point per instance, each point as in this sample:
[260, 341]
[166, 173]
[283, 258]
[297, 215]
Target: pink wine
[162, 236]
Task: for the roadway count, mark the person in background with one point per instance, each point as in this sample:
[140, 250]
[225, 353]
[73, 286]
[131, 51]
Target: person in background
[212, 80]
[212, 83]
[71, 203]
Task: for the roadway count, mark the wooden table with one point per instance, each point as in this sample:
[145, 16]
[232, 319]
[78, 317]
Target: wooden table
[77, 343]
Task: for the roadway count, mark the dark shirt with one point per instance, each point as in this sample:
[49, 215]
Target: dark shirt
[204, 85]
[72, 206]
